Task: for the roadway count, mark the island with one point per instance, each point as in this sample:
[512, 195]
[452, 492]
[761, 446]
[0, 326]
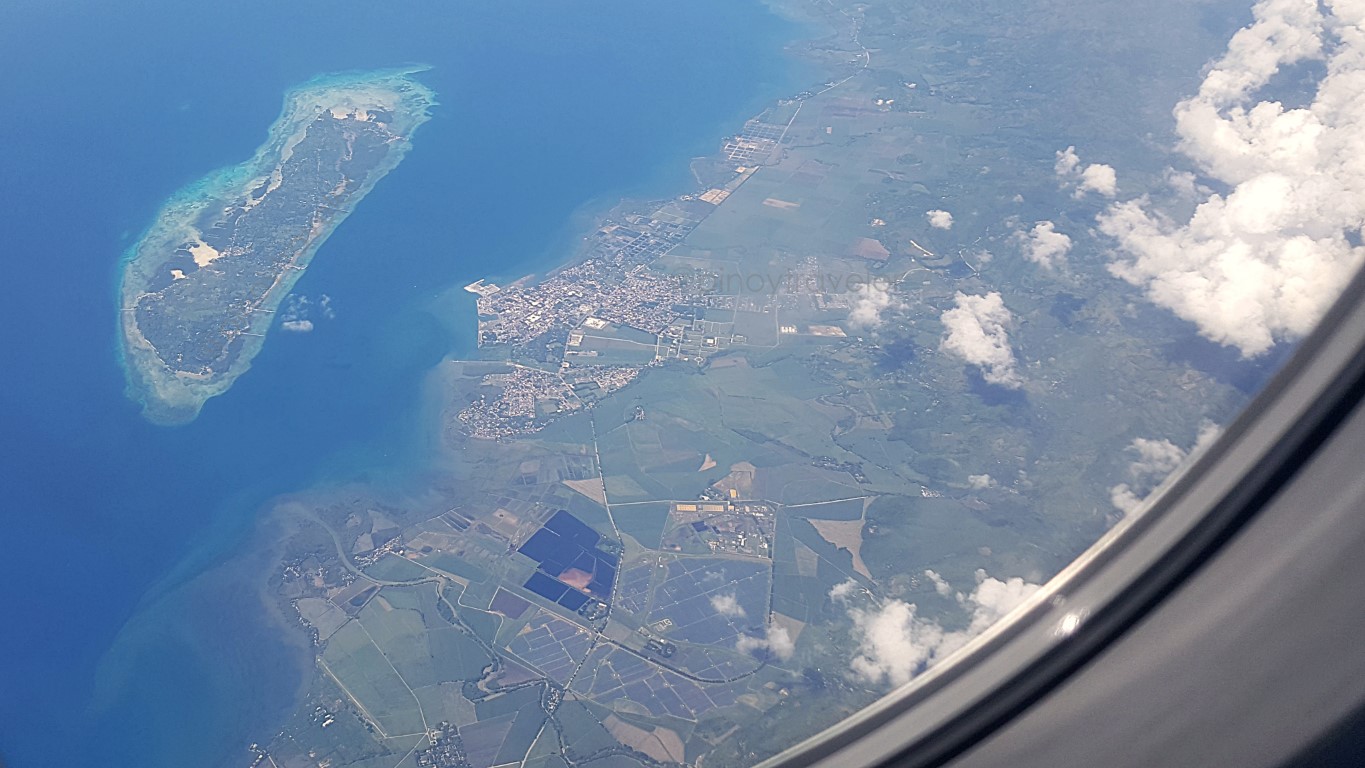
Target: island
[199, 289]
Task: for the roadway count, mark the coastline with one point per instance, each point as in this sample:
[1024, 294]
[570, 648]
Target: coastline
[569, 245]
[175, 397]
[220, 597]
[158, 506]
[616, 246]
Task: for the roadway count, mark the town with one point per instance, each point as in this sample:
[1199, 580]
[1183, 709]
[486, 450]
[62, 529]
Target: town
[589, 329]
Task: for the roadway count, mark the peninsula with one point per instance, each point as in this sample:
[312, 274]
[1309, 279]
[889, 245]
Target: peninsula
[199, 289]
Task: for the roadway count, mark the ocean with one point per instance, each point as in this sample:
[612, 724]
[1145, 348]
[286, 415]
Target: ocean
[113, 529]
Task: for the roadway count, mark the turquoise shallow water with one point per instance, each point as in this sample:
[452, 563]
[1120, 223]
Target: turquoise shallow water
[106, 519]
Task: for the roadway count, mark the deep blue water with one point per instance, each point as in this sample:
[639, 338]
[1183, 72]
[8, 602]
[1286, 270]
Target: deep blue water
[108, 109]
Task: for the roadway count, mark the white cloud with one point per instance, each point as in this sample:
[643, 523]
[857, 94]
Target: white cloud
[980, 482]
[727, 605]
[872, 299]
[843, 589]
[294, 315]
[1068, 163]
[1044, 245]
[778, 642]
[749, 644]
[1156, 459]
[1262, 262]
[1208, 432]
[993, 598]
[895, 643]
[1096, 177]
[940, 219]
[1100, 178]
[978, 332]
[941, 585]
[1185, 185]
[1124, 498]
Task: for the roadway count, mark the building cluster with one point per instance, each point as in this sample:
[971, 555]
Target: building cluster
[756, 143]
[638, 297]
[530, 398]
[726, 528]
[645, 299]
[642, 238]
[614, 284]
[394, 545]
[855, 469]
[519, 314]
[614, 281]
[523, 395]
[446, 750]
